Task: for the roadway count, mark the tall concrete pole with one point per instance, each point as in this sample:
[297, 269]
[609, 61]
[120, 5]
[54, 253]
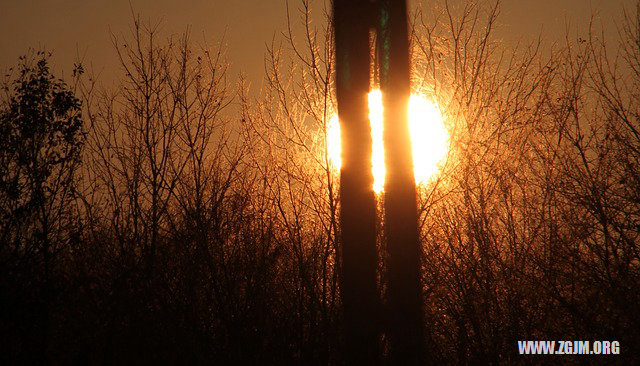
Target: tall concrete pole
[359, 290]
[405, 319]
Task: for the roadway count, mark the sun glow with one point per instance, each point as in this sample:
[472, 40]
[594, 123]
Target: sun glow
[429, 139]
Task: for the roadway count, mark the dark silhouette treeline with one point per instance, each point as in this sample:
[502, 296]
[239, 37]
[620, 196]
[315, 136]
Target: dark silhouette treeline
[174, 219]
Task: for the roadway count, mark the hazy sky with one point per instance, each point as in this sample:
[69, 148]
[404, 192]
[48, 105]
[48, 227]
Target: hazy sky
[68, 26]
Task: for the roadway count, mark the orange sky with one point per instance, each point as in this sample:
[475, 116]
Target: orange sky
[65, 26]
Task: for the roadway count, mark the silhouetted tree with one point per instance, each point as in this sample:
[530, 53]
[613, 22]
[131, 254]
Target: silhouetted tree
[352, 21]
[41, 139]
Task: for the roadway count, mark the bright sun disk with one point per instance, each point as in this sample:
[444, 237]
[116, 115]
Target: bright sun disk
[429, 139]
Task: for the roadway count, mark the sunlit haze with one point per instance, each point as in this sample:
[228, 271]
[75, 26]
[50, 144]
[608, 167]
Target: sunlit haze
[429, 139]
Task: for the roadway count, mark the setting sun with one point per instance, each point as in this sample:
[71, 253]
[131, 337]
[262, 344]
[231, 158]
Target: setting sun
[429, 138]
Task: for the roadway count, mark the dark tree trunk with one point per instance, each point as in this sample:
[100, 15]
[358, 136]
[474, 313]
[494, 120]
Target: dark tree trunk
[405, 321]
[359, 291]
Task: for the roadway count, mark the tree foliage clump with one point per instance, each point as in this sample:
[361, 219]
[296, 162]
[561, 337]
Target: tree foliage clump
[41, 140]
